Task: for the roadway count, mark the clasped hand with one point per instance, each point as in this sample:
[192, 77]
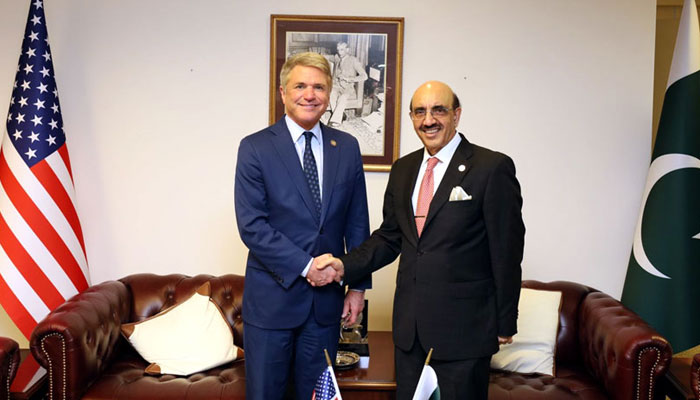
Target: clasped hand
[324, 270]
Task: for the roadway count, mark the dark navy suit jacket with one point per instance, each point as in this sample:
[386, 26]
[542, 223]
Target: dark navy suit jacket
[276, 221]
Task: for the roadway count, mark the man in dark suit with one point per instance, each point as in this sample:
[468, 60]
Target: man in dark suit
[453, 212]
[299, 192]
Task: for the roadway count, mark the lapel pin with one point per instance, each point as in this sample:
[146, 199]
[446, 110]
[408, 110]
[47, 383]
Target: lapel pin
[461, 168]
[333, 143]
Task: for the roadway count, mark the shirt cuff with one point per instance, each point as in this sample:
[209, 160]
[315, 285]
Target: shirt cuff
[306, 270]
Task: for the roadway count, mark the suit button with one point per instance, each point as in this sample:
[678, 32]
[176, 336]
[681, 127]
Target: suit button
[420, 253]
[321, 231]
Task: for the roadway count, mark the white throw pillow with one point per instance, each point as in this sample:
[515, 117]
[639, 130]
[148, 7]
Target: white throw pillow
[533, 347]
[186, 338]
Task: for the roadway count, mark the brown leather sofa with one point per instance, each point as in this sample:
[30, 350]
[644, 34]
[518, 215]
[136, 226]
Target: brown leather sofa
[603, 349]
[9, 362]
[81, 346]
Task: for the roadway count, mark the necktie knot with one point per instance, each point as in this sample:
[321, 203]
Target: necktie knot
[432, 162]
[308, 135]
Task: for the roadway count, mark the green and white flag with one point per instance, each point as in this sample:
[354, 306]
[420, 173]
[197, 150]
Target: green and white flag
[427, 388]
[664, 269]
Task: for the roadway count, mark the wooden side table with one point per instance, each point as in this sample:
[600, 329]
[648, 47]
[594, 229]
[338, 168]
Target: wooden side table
[378, 380]
[676, 382]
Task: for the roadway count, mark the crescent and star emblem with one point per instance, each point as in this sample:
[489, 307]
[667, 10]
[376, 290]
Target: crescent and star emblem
[659, 167]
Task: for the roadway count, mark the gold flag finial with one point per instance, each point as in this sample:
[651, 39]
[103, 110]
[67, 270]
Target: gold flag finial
[328, 358]
[430, 354]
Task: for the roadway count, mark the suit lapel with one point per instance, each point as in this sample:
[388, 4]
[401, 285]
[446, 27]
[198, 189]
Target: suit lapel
[281, 139]
[453, 176]
[331, 158]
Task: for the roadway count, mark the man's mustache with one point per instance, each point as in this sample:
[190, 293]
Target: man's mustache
[431, 126]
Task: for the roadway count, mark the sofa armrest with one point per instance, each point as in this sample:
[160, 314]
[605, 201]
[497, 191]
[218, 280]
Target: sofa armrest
[77, 340]
[621, 350]
[9, 361]
[695, 375]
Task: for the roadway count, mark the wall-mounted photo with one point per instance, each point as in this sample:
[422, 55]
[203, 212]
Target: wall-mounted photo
[365, 54]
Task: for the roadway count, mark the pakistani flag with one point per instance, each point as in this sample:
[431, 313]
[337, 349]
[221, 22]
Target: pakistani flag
[427, 388]
[664, 270]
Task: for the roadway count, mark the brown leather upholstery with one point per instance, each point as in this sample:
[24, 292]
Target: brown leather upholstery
[81, 346]
[695, 375]
[9, 361]
[603, 349]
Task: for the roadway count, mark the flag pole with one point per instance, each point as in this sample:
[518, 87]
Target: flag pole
[427, 388]
[328, 358]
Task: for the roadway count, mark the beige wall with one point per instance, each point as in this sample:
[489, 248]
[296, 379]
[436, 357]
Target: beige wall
[157, 94]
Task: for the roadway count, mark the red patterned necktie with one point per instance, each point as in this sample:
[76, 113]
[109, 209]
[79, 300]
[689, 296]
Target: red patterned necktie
[425, 195]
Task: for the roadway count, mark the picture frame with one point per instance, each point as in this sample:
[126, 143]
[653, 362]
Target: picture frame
[366, 57]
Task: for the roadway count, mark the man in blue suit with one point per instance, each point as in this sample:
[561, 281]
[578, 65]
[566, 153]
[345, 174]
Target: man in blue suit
[299, 193]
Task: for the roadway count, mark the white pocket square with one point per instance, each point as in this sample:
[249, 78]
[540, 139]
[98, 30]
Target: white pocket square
[458, 194]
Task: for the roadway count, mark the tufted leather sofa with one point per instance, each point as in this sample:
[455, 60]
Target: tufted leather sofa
[81, 346]
[603, 349]
[9, 361]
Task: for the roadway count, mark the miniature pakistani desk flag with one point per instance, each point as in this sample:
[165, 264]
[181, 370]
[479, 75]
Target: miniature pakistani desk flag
[427, 388]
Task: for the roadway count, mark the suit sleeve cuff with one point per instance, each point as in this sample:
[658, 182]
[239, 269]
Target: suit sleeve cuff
[306, 270]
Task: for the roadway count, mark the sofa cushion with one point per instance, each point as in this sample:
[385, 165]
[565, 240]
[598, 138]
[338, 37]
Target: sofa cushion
[571, 382]
[186, 338]
[125, 379]
[532, 350]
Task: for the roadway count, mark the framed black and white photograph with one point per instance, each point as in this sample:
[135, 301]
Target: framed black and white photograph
[365, 54]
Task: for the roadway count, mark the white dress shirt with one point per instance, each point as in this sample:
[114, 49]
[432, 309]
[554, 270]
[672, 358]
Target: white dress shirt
[297, 133]
[444, 156]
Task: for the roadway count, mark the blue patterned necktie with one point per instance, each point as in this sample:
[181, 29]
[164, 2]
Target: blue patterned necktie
[312, 173]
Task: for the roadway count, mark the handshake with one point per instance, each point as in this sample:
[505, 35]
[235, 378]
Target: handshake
[324, 270]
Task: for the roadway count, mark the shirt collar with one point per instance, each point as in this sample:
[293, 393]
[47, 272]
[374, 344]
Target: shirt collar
[297, 131]
[445, 154]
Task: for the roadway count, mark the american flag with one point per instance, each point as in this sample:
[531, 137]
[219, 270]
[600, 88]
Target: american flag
[42, 253]
[326, 386]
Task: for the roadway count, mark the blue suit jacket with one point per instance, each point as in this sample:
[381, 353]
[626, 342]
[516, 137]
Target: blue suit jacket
[275, 215]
